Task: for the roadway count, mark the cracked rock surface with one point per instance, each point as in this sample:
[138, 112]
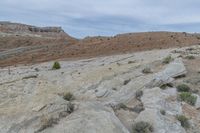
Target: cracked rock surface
[106, 94]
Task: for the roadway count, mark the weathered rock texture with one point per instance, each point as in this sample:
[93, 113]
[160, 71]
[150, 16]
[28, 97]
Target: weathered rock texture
[9, 27]
[31, 97]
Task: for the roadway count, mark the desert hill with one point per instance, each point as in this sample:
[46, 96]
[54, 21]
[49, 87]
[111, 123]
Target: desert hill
[25, 44]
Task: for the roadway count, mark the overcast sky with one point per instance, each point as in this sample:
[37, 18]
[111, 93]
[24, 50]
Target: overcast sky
[81, 18]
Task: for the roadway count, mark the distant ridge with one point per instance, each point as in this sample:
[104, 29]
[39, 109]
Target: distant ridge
[26, 44]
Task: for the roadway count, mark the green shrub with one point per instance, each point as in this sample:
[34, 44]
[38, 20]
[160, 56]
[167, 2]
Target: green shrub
[70, 108]
[46, 122]
[146, 70]
[163, 112]
[164, 86]
[122, 106]
[126, 81]
[183, 120]
[68, 96]
[138, 108]
[188, 97]
[190, 57]
[56, 65]
[130, 62]
[138, 94]
[183, 88]
[167, 59]
[142, 127]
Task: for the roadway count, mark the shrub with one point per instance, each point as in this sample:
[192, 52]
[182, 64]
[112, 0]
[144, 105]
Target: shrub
[37, 69]
[127, 81]
[56, 65]
[46, 122]
[183, 88]
[198, 37]
[68, 96]
[167, 59]
[190, 57]
[130, 62]
[164, 86]
[188, 97]
[70, 108]
[138, 108]
[138, 94]
[183, 120]
[146, 70]
[162, 112]
[122, 106]
[142, 127]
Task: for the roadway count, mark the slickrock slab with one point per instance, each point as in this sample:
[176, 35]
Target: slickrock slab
[173, 70]
[91, 117]
[155, 100]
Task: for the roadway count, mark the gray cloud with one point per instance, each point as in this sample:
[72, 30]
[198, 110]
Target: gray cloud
[82, 18]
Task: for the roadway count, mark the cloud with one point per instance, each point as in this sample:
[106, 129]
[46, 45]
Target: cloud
[82, 18]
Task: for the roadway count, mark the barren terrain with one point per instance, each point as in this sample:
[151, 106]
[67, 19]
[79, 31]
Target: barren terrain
[19, 45]
[130, 83]
[106, 93]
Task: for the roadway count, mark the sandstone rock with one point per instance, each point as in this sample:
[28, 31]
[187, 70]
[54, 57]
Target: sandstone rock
[156, 99]
[24, 101]
[102, 93]
[45, 29]
[173, 70]
[197, 104]
[39, 107]
[160, 123]
[91, 117]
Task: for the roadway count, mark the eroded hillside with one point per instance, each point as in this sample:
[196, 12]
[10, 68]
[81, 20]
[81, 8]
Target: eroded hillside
[25, 44]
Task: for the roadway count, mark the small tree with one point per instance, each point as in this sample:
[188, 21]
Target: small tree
[56, 65]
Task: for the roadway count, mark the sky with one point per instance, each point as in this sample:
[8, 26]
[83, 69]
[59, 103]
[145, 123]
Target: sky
[81, 18]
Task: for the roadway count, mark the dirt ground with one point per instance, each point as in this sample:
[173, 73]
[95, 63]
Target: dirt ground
[68, 48]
